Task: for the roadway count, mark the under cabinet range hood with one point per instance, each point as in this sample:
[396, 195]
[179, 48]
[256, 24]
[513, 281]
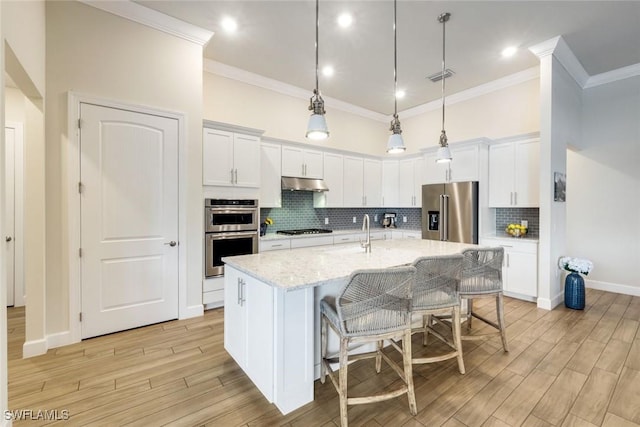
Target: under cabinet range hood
[303, 184]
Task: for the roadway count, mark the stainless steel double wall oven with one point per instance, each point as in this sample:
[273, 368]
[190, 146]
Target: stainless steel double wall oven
[231, 228]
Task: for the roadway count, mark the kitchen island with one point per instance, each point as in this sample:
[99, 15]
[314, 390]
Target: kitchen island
[271, 318]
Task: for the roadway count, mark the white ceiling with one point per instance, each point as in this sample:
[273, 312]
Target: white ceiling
[276, 39]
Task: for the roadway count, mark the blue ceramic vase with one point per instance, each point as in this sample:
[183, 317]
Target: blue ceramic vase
[574, 291]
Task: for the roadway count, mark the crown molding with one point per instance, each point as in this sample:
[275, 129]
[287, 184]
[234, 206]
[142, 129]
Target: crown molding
[613, 75]
[212, 124]
[563, 53]
[474, 92]
[224, 70]
[154, 19]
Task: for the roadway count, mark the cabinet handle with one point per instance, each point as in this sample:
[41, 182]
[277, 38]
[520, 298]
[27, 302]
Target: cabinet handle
[302, 167]
[239, 292]
[507, 260]
[511, 198]
[382, 200]
[365, 200]
[236, 180]
[515, 198]
[277, 246]
[232, 175]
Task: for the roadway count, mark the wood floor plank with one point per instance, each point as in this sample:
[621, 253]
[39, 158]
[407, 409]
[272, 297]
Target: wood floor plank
[612, 420]
[586, 356]
[624, 402]
[613, 357]
[593, 400]
[557, 401]
[573, 421]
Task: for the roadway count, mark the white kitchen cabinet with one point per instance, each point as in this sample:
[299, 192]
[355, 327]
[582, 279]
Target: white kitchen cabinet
[311, 241]
[464, 166]
[274, 245]
[301, 162]
[514, 174]
[250, 302]
[362, 182]
[390, 183]
[230, 159]
[333, 165]
[520, 266]
[372, 183]
[270, 185]
[411, 180]
[353, 182]
[213, 291]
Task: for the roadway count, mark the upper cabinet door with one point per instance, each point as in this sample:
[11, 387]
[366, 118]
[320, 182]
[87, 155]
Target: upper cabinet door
[501, 175]
[372, 183]
[270, 166]
[353, 182]
[527, 173]
[334, 178]
[514, 174]
[217, 157]
[464, 165]
[406, 188]
[435, 173]
[390, 183]
[301, 163]
[246, 160]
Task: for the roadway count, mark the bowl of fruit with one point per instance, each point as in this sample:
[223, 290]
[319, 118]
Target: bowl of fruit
[516, 230]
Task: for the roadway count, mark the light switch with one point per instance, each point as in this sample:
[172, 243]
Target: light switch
[354, 219]
[404, 219]
[326, 221]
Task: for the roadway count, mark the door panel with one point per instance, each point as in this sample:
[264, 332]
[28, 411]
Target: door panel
[9, 241]
[463, 212]
[431, 215]
[129, 214]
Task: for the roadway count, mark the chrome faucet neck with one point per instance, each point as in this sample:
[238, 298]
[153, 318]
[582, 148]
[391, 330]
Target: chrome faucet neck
[366, 227]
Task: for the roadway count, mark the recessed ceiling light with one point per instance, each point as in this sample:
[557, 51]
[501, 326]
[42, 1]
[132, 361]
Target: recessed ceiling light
[509, 51]
[400, 94]
[229, 24]
[327, 71]
[345, 20]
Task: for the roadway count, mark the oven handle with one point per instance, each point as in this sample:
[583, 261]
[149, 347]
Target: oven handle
[222, 236]
[231, 210]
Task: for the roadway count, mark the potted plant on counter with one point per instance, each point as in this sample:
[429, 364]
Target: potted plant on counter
[574, 283]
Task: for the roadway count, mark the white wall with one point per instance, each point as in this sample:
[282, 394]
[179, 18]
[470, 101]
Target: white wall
[285, 117]
[603, 187]
[93, 52]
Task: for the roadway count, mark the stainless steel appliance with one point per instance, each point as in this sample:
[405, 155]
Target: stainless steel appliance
[389, 220]
[231, 228]
[450, 212]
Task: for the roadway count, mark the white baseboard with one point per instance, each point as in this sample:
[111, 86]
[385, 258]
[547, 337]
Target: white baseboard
[59, 339]
[613, 287]
[192, 311]
[34, 348]
[550, 304]
[5, 423]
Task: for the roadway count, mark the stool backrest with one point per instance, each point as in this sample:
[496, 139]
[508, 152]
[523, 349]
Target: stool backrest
[376, 300]
[437, 281]
[482, 270]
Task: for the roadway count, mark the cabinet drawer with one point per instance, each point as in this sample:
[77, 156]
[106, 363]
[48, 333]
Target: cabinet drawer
[213, 284]
[311, 241]
[345, 238]
[213, 297]
[512, 244]
[275, 245]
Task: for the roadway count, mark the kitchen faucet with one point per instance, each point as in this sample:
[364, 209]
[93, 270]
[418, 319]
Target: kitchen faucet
[366, 227]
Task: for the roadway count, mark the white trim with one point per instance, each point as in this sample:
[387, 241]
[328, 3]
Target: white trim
[474, 92]
[154, 19]
[457, 144]
[613, 287]
[563, 53]
[73, 201]
[613, 75]
[550, 304]
[192, 311]
[248, 77]
[34, 348]
[212, 124]
[18, 234]
[59, 339]
[514, 138]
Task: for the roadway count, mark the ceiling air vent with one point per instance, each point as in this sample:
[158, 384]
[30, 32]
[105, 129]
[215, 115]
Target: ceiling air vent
[438, 76]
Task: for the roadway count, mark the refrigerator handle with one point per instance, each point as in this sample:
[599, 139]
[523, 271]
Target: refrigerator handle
[444, 213]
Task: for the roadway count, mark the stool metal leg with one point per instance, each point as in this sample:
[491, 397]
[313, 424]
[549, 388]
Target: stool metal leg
[500, 310]
[457, 337]
[408, 371]
[323, 347]
[344, 362]
[469, 313]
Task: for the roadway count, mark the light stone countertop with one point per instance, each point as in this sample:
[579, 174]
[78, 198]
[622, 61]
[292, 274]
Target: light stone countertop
[321, 265]
[504, 236]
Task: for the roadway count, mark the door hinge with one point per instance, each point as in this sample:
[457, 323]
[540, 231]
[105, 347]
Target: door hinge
[81, 316]
[80, 252]
[79, 187]
[79, 123]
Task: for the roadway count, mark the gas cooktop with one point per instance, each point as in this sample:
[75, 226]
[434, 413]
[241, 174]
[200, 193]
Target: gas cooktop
[304, 231]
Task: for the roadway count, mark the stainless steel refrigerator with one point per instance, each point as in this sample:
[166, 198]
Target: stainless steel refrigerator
[450, 212]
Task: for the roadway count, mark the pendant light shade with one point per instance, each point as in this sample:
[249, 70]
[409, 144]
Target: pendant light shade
[317, 128]
[395, 144]
[444, 154]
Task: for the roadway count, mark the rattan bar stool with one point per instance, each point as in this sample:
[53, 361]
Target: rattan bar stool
[435, 295]
[374, 305]
[482, 278]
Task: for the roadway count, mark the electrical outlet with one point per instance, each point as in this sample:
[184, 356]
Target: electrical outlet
[326, 221]
[404, 219]
[375, 218]
[354, 219]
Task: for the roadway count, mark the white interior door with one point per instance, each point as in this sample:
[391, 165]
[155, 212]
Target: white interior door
[129, 219]
[9, 238]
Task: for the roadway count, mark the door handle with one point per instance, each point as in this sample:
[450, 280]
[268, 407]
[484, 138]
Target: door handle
[232, 175]
[235, 179]
[8, 239]
[515, 198]
[171, 243]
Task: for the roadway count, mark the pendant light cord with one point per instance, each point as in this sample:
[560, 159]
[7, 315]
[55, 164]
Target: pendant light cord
[443, 19]
[395, 62]
[317, 25]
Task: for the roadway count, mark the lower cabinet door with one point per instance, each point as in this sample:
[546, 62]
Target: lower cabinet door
[522, 273]
[235, 322]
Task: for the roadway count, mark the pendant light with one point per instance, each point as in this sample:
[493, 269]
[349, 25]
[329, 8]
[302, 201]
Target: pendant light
[396, 143]
[317, 128]
[444, 154]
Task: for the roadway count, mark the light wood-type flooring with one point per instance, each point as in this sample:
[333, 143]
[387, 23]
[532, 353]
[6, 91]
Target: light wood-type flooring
[565, 368]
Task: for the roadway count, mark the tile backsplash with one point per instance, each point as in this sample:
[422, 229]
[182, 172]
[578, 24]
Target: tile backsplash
[506, 216]
[297, 211]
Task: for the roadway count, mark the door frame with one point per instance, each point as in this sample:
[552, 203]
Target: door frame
[72, 225]
[18, 234]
